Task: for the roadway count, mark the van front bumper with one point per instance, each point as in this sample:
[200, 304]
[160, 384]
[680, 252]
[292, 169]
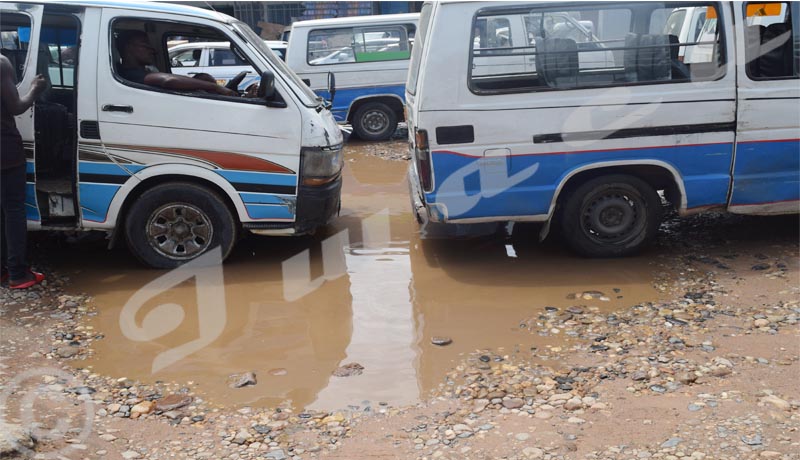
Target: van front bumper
[317, 205]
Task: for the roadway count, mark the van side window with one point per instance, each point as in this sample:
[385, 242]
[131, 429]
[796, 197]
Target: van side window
[15, 33]
[225, 57]
[61, 43]
[772, 40]
[148, 43]
[360, 44]
[550, 48]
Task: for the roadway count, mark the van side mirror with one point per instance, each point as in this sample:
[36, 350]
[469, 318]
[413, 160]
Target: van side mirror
[266, 89]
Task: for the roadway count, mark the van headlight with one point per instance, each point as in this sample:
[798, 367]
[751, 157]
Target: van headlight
[321, 165]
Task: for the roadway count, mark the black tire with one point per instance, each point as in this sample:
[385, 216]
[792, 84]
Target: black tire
[194, 219]
[374, 121]
[611, 216]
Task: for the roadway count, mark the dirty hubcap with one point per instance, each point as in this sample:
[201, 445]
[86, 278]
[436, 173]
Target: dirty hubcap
[179, 231]
[375, 121]
[612, 217]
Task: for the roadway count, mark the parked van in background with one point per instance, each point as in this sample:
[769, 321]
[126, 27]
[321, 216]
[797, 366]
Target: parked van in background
[368, 56]
[589, 148]
[219, 60]
[177, 173]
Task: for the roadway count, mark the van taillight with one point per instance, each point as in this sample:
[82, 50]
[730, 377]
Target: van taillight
[423, 154]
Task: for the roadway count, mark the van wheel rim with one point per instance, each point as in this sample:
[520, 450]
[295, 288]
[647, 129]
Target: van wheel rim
[375, 121]
[179, 231]
[613, 217]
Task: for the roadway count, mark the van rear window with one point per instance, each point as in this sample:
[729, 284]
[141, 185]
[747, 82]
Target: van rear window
[389, 42]
[533, 48]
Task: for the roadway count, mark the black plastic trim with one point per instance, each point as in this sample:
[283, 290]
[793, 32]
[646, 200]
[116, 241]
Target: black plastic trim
[634, 132]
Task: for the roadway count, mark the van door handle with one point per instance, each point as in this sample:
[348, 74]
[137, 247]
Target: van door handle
[117, 108]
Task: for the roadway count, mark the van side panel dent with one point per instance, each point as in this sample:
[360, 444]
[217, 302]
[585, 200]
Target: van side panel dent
[766, 172]
[469, 191]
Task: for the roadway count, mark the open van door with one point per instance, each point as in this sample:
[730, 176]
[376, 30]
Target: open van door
[20, 29]
[55, 116]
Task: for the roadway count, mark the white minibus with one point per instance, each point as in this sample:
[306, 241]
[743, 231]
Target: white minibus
[596, 150]
[368, 56]
[173, 172]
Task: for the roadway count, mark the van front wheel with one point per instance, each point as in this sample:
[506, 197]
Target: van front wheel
[172, 224]
[611, 216]
[374, 121]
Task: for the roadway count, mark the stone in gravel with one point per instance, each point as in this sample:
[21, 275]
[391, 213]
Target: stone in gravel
[721, 371]
[83, 390]
[543, 415]
[486, 427]
[777, 402]
[514, 403]
[241, 437]
[243, 380]
[761, 267]
[276, 455]
[638, 376]
[173, 402]
[13, 437]
[573, 404]
[694, 407]
[576, 421]
[262, 429]
[671, 442]
[658, 389]
[752, 440]
[479, 405]
[770, 454]
[485, 358]
[131, 455]
[761, 322]
[108, 437]
[349, 370]
[532, 452]
[67, 352]
[144, 407]
[441, 341]
[687, 378]
[522, 436]
[280, 372]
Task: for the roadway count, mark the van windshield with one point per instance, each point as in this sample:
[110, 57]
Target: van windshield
[416, 52]
[307, 97]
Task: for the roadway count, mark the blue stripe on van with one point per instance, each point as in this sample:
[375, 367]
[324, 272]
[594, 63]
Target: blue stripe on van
[31, 210]
[258, 178]
[766, 172]
[346, 96]
[267, 198]
[481, 188]
[95, 200]
[268, 211]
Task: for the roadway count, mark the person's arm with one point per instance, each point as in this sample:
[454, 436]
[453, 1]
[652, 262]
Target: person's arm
[8, 89]
[180, 82]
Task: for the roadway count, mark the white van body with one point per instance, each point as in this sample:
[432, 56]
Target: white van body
[368, 56]
[176, 173]
[589, 148]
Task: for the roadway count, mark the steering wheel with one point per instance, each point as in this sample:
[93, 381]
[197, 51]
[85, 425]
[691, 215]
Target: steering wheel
[233, 83]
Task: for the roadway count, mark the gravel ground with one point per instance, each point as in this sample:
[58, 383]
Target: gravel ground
[709, 373]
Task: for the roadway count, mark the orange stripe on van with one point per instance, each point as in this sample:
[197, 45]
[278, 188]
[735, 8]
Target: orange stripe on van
[763, 9]
[224, 160]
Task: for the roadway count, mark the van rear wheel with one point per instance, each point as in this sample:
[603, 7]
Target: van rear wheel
[172, 224]
[611, 216]
[374, 121]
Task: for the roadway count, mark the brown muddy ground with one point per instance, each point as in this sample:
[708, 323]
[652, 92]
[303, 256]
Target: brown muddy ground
[380, 293]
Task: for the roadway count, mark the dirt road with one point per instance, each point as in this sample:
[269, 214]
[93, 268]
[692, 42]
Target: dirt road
[372, 341]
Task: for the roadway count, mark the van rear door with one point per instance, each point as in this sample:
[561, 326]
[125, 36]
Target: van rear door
[766, 172]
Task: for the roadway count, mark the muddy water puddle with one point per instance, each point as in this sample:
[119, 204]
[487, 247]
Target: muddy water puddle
[367, 290]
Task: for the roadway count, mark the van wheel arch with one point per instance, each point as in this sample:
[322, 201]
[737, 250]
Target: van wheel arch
[149, 183]
[394, 102]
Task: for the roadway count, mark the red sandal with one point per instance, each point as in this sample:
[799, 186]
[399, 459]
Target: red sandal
[35, 279]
